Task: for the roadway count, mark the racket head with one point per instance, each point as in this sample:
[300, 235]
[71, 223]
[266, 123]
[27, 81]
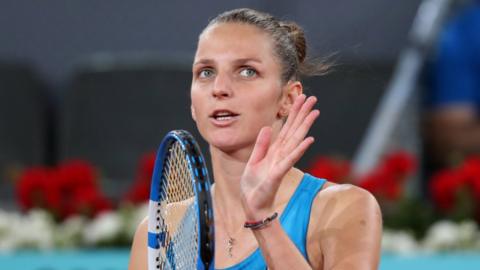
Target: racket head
[180, 207]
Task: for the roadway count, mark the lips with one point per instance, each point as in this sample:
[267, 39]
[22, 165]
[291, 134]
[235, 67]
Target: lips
[221, 117]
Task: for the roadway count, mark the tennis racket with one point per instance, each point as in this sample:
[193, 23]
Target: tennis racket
[180, 220]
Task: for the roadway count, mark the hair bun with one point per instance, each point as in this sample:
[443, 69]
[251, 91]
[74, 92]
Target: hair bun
[298, 37]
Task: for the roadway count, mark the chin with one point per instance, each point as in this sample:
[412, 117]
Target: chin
[229, 140]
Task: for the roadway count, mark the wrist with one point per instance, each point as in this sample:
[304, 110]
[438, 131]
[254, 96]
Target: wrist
[260, 224]
[253, 215]
[256, 212]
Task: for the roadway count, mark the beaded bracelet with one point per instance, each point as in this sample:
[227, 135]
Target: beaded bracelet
[256, 225]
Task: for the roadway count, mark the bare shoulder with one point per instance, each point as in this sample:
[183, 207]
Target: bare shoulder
[144, 224]
[345, 228]
[142, 229]
[344, 202]
[341, 197]
[138, 253]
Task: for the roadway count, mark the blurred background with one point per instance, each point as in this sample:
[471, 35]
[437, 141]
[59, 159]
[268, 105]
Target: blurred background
[89, 88]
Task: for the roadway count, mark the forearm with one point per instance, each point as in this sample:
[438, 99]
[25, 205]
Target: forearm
[277, 248]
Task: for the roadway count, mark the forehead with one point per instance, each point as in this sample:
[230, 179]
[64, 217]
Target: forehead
[235, 40]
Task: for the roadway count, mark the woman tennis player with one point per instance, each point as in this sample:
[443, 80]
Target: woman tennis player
[248, 104]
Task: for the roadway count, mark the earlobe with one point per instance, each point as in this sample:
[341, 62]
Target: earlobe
[192, 110]
[283, 112]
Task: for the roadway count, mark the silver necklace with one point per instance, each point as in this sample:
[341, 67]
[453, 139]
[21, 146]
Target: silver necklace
[231, 241]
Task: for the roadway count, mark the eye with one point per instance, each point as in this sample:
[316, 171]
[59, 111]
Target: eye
[205, 73]
[248, 72]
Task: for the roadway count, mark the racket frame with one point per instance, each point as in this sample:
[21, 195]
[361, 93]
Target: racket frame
[202, 189]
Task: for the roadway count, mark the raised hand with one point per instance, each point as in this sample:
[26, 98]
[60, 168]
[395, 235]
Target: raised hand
[270, 161]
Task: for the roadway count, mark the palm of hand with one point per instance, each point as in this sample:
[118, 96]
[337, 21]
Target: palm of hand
[270, 162]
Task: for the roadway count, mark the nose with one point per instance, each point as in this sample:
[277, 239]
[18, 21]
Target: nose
[222, 87]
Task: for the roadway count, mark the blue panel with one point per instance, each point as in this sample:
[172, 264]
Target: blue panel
[154, 239]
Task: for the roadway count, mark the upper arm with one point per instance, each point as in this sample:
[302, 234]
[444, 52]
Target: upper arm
[138, 253]
[348, 230]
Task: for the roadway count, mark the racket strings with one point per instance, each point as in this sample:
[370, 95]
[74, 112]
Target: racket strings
[177, 217]
[179, 186]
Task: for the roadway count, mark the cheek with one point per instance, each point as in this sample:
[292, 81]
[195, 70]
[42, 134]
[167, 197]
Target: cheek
[195, 99]
[265, 108]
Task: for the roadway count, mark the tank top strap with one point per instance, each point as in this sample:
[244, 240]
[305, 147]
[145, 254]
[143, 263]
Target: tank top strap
[296, 216]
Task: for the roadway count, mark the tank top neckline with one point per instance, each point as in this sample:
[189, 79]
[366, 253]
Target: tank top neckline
[257, 251]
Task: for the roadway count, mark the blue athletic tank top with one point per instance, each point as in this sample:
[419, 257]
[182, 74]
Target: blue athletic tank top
[294, 220]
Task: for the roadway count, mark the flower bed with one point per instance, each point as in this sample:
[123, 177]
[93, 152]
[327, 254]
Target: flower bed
[65, 204]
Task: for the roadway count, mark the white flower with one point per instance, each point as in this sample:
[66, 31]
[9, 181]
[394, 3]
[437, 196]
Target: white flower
[5, 223]
[467, 233]
[476, 244]
[38, 229]
[34, 230]
[399, 242]
[69, 233]
[447, 235]
[106, 227]
[8, 221]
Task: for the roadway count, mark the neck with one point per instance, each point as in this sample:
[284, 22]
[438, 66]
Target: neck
[228, 167]
[227, 172]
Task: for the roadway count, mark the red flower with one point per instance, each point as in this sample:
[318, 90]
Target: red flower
[140, 192]
[388, 178]
[76, 173]
[147, 164]
[35, 189]
[65, 190]
[475, 184]
[471, 172]
[400, 164]
[447, 184]
[444, 186]
[382, 183]
[89, 202]
[335, 170]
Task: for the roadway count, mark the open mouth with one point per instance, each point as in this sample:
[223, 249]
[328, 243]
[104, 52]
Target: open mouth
[223, 115]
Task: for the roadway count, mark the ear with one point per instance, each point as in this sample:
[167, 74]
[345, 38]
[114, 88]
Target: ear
[192, 110]
[291, 91]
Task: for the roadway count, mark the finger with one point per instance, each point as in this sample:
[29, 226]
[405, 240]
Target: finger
[261, 145]
[301, 132]
[289, 161]
[291, 116]
[304, 112]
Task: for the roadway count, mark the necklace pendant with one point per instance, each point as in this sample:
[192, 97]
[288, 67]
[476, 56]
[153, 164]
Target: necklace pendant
[230, 243]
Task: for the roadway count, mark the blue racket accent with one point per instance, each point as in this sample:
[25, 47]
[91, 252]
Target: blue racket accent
[171, 256]
[155, 240]
[179, 149]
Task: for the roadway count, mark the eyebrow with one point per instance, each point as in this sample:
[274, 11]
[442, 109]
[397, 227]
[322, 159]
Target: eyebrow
[236, 61]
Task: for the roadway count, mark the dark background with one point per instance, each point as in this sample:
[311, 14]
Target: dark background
[55, 35]
[105, 80]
